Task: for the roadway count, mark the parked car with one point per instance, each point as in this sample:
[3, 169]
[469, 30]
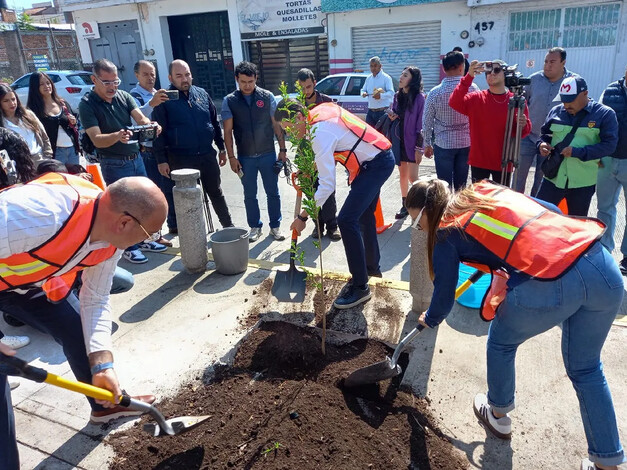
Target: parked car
[345, 89]
[71, 85]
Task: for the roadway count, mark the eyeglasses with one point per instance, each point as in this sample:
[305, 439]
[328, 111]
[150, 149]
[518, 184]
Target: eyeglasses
[153, 237]
[115, 82]
[495, 71]
[416, 223]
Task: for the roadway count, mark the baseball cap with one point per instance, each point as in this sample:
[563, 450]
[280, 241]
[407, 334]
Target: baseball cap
[570, 89]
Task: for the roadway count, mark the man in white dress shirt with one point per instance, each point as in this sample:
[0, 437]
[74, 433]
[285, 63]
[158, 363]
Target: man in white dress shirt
[379, 89]
[35, 219]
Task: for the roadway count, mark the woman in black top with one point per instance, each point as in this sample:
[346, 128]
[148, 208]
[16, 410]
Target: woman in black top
[56, 116]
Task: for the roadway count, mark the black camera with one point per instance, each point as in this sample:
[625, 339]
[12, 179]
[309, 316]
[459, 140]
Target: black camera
[283, 166]
[145, 133]
[278, 166]
[513, 78]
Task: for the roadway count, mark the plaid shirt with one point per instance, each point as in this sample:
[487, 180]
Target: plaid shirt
[441, 124]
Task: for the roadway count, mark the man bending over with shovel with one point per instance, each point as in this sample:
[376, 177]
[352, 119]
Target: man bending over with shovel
[50, 229]
[340, 136]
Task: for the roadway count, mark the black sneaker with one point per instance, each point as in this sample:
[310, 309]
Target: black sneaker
[334, 234]
[11, 320]
[402, 213]
[352, 296]
[623, 266]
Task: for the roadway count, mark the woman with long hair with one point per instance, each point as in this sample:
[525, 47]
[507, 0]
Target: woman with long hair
[24, 122]
[547, 270]
[407, 107]
[19, 154]
[57, 117]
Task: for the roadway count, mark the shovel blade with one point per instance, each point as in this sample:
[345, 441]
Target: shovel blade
[372, 374]
[290, 285]
[179, 425]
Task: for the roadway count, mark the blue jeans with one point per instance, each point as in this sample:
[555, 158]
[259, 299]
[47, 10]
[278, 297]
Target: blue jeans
[584, 301]
[263, 165]
[578, 199]
[9, 458]
[528, 156]
[66, 155]
[372, 117]
[451, 165]
[165, 185]
[114, 169]
[356, 218]
[611, 178]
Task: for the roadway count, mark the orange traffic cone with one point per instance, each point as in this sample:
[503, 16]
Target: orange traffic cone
[378, 216]
[563, 206]
[94, 170]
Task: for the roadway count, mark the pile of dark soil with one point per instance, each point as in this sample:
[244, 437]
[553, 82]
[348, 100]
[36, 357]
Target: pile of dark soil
[280, 406]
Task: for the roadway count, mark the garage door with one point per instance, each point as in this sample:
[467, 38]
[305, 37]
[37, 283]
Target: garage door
[400, 45]
[588, 33]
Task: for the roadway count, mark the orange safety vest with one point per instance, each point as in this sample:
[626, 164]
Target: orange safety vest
[43, 262]
[331, 112]
[527, 236]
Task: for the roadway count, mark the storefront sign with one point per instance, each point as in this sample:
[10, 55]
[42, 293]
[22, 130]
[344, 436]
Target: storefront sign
[87, 30]
[332, 6]
[265, 19]
[41, 63]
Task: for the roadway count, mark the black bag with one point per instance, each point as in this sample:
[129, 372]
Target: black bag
[551, 164]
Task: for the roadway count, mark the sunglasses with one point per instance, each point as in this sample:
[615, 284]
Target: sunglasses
[115, 82]
[151, 237]
[495, 71]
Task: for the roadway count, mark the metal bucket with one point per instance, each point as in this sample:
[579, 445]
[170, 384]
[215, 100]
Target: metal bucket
[229, 247]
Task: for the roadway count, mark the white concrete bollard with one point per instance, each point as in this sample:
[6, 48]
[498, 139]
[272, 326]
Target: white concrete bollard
[420, 283]
[188, 204]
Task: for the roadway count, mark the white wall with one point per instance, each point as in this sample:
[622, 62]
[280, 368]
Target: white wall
[153, 26]
[456, 17]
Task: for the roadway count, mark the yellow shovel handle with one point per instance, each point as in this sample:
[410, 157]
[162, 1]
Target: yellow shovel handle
[80, 387]
[463, 288]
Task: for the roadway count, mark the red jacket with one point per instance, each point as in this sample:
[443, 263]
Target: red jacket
[487, 114]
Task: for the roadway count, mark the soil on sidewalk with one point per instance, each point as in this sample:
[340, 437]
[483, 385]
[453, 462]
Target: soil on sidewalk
[281, 406]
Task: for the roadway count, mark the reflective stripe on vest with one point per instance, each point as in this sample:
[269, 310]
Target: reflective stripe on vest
[331, 112]
[41, 264]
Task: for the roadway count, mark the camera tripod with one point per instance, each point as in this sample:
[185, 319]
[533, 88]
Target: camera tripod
[511, 145]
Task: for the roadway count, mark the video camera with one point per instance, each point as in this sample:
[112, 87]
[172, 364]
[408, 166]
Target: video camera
[283, 166]
[145, 133]
[513, 78]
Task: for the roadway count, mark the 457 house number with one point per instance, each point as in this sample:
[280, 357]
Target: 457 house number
[484, 26]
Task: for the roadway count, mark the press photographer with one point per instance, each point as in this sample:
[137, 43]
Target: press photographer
[487, 112]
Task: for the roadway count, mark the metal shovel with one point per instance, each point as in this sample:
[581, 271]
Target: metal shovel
[290, 285]
[163, 427]
[389, 367]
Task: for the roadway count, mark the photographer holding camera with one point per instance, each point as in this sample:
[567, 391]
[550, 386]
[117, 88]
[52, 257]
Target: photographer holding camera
[590, 131]
[190, 127]
[487, 112]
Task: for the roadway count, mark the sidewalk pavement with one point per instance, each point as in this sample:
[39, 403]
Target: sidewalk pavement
[172, 326]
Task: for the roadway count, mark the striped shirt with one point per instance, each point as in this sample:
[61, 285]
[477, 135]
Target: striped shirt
[441, 124]
[31, 215]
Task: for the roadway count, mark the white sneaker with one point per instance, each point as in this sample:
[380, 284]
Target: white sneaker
[134, 256]
[13, 385]
[15, 342]
[254, 234]
[276, 233]
[500, 427]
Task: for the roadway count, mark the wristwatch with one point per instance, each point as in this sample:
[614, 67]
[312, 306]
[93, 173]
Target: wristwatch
[300, 217]
[283, 150]
[222, 151]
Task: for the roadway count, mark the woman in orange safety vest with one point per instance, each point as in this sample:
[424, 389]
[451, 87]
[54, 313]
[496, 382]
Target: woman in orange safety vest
[548, 270]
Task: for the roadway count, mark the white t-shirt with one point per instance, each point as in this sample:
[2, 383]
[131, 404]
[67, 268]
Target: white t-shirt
[333, 137]
[63, 140]
[27, 134]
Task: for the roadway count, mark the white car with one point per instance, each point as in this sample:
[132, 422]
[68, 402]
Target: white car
[345, 90]
[71, 85]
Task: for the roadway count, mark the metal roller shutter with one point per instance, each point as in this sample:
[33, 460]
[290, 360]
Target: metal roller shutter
[400, 45]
